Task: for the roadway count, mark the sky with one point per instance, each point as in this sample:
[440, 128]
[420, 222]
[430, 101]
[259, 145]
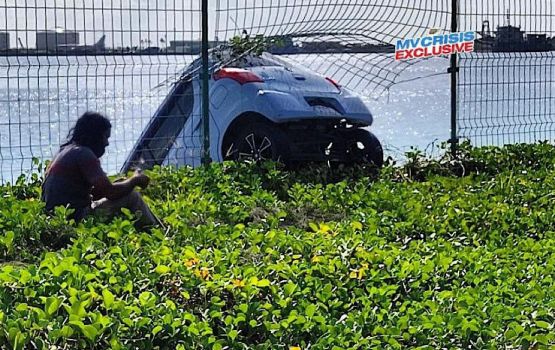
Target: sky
[147, 22]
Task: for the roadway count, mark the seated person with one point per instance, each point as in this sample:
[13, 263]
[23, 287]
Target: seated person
[74, 178]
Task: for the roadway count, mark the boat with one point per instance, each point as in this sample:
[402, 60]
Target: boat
[508, 38]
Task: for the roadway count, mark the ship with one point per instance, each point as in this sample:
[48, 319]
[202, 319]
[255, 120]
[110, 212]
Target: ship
[508, 38]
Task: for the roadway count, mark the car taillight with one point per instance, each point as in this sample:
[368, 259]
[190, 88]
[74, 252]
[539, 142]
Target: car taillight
[334, 83]
[242, 76]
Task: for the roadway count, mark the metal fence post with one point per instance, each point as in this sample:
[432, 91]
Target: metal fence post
[205, 87]
[454, 70]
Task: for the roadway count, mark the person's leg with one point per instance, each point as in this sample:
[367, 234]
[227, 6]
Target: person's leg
[134, 202]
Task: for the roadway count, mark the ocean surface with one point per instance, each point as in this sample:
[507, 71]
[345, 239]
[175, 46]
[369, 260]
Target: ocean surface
[503, 98]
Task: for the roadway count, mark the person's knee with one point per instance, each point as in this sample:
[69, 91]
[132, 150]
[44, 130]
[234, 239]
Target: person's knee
[134, 197]
[135, 201]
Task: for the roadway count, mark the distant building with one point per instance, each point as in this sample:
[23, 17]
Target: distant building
[189, 47]
[184, 46]
[52, 40]
[4, 41]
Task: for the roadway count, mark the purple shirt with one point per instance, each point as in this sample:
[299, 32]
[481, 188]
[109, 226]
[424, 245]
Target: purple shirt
[70, 177]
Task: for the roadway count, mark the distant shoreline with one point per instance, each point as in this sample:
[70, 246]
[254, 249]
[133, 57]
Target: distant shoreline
[378, 49]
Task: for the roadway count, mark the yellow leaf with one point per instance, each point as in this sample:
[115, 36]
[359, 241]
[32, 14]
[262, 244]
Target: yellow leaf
[362, 271]
[324, 228]
[238, 283]
[360, 274]
[316, 259]
[295, 348]
[191, 262]
[353, 274]
[204, 273]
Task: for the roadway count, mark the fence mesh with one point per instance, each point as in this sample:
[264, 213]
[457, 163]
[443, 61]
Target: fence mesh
[62, 58]
[350, 41]
[506, 90]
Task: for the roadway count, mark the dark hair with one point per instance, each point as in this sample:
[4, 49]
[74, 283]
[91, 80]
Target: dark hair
[88, 131]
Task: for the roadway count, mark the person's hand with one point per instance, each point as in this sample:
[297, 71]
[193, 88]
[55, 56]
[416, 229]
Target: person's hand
[119, 179]
[141, 179]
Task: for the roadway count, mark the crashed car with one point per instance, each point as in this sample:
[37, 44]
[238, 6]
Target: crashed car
[261, 108]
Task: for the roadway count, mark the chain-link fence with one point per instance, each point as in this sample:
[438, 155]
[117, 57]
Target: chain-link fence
[131, 60]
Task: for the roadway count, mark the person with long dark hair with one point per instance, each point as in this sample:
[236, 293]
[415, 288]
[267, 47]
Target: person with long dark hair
[75, 178]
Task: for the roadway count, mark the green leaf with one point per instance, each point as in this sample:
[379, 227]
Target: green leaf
[19, 341]
[162, 269]
[543, 324]
[314, 227]
[66, 332]
[356, 225]
[8, 240]
[243, 308]
[147, 299]
[52, 305]
[510, 334]
[89, 331]
[232, 334]
[114, 234]
[77, 310]
[24, 276]
[108, 298]
[446, 294]
[264, 283]
[115, 344]
[289, 288]
[156, 330]
[21, 307]
[310, 310]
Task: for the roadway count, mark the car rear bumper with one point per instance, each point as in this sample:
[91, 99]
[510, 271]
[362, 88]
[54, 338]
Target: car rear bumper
[282, 107]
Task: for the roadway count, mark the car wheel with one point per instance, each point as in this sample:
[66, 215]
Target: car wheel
[364, 146]
[256, 142]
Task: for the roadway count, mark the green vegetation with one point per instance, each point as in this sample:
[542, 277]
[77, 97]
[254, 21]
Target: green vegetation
[259, 258]
[240, 46]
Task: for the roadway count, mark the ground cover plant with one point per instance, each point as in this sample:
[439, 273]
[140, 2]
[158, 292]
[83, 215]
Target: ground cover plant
[448, 253]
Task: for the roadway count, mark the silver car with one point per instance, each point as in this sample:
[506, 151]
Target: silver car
[261, 108]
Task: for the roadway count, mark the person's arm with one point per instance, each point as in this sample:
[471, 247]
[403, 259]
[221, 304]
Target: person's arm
[102, 187]
[90, 168]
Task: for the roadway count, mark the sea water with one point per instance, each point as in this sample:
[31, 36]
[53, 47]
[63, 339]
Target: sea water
[502, 98]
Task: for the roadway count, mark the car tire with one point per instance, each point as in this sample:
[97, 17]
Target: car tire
[257, 142]
[364, 147]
